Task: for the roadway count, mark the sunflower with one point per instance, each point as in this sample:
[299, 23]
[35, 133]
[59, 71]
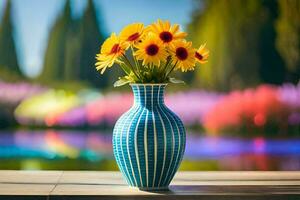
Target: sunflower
[202, 54]
[111, 50]
[166, 32]
[183, 55]
[151, 50]
[132, 33]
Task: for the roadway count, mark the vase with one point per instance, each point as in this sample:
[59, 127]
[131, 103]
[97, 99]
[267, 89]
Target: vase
[149, 140]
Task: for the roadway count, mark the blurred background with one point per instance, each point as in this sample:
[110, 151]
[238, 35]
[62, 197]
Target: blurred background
[241, 109]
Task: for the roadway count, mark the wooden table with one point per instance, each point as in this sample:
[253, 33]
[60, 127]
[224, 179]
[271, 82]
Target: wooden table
[186, 185]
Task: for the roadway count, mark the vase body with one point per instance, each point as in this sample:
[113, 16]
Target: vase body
[149, 140]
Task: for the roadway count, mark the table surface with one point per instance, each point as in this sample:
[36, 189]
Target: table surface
[186, 185]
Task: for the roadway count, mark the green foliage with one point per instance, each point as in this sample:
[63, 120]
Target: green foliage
[54, 60]
[8, 75]
[71, 48]
[91, 38]
[288, 36]
[136, 72]
[122, 81]
[8, 56]
[241, 37]
[175, 80]
[72, 52]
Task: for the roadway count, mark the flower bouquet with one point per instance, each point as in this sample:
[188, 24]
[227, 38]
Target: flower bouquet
[150, 54]
[149, 139]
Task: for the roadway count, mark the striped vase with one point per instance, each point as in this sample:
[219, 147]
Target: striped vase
[149, 140]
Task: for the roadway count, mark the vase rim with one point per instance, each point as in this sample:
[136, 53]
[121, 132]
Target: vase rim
[148, 84]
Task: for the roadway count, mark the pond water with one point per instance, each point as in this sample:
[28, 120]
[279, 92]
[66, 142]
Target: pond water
[83, 150]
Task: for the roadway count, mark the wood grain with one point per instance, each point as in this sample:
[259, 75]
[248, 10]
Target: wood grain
[186, 185]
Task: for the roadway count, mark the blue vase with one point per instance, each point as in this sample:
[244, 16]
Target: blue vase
[149, 140]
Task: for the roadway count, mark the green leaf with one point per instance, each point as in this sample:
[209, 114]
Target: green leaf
[174, 80]
[122, 81]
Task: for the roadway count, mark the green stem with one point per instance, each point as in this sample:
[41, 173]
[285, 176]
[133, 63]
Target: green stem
[171, 70]
[130, 65]
[165, 68]
[168, 62]
[152, 67]
[137, 64]
[122, 67]
[135, 61]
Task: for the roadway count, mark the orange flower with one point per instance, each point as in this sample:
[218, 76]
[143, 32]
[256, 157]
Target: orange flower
[202, 54]
[166, 32]
[111, 50]
[132, 33]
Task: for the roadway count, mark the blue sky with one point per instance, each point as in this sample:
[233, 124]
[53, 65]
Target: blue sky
[33, 20]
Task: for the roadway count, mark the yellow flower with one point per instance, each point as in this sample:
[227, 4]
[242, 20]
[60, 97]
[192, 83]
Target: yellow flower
[151, 51]
[202, 54]
[183, 55]
[111, 50]
[166, 32]
[132, 33]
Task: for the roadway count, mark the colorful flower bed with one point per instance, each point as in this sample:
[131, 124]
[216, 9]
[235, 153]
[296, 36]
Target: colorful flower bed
[14, 93]
[266, 109]
[61, 109]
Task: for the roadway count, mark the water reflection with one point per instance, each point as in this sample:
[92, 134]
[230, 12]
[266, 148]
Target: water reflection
[92, 150]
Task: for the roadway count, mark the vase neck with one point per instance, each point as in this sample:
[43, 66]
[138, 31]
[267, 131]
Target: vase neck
[148, 95]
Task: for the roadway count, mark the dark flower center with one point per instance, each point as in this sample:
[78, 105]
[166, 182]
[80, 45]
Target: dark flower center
[166, 36]
[198, 56]
[115, 49]
[152, 49]
[133, 37]
[181, 53]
